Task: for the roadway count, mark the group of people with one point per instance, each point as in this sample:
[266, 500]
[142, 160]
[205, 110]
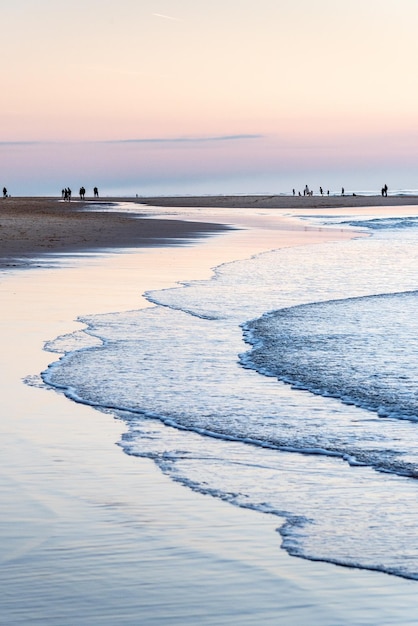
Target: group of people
[66, 193]
[309, 192]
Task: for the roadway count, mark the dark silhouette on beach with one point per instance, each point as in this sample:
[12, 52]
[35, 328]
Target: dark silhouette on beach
[385, 191]
[4, 192]
[96, 192]
[82, 193]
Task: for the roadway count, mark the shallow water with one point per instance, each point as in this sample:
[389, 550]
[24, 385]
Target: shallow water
[331, 446]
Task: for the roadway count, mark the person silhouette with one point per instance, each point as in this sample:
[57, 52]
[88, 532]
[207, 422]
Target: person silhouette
[4, 192]
[96, 192]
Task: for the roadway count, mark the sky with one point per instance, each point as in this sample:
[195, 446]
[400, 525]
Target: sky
[189, 96]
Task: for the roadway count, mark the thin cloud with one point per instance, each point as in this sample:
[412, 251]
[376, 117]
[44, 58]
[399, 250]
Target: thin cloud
[22, 143]
[167, 17]
[144, 140]
[187, 139]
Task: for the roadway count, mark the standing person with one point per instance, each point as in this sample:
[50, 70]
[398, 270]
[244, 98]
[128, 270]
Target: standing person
[69, 194]
[96, 192]
[4, 192]
[385, 191]
[342, 191]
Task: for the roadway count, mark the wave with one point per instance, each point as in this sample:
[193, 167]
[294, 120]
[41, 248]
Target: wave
[207, 417]
[357, 349]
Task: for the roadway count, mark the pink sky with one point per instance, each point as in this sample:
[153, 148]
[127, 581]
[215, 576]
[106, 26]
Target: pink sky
[323, 89]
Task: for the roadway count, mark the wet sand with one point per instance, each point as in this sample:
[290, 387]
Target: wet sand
[36, 226]
[281, 202]
[39, 226]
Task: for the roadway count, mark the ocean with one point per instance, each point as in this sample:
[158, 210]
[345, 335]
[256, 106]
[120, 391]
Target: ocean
[285, 383]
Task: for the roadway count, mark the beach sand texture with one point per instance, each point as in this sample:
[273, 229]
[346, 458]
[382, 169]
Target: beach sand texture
[92, 536]
[33, 226]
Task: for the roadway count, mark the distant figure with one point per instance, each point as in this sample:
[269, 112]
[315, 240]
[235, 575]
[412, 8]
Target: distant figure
[294, 192]
[342, 191]
[96, 192]
[63, 193]
[328, 192]
[68, 194]
[4, 192]
[321, 191]
[385, 191]
[82, 193]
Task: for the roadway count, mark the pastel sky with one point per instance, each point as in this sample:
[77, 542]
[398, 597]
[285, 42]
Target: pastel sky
[186, 96]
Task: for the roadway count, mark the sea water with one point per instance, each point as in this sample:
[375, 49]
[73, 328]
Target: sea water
[286, 383]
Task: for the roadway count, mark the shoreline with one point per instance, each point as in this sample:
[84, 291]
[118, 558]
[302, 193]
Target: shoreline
[33, 227]
[91, 535]
[280, 201]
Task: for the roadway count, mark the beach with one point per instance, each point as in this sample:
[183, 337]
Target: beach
[91, 535]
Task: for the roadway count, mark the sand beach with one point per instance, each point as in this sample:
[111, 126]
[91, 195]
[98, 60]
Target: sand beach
[33, 226]
[90, 535]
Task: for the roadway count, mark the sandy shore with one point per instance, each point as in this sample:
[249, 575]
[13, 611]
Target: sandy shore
[40, 226]
[91, 536]
[281, 202]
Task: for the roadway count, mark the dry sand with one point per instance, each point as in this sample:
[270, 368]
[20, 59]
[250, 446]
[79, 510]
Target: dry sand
[91, 536]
